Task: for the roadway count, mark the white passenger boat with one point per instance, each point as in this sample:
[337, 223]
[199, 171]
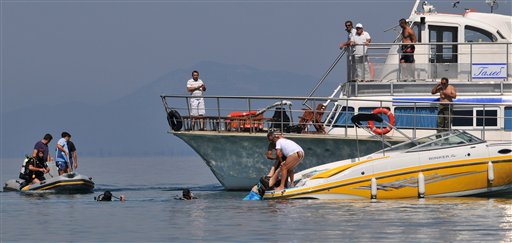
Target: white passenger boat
[472, 49]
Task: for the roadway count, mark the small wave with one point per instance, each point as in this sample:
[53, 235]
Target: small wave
[114, 188]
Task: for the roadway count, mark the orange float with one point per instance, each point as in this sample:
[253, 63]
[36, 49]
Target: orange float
[387, 129]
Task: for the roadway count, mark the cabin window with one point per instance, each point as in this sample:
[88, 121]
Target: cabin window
[473, 34]
[343, 118]
[462, 118]
[424, 117]
[489, 118]
[417, 29]
[476, 118]
[508, 118]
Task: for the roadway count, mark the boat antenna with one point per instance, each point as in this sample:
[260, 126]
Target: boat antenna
[492, 3]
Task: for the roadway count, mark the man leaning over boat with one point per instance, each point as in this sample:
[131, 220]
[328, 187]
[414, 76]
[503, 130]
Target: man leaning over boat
[294, 155]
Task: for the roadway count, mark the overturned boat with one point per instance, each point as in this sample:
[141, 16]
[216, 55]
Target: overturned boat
[65, 183]
[447, 164]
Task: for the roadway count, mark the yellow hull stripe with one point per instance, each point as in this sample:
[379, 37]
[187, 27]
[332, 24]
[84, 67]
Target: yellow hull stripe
[26, 188]
[334, 171]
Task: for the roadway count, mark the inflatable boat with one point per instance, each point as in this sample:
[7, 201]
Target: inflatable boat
[65, 183]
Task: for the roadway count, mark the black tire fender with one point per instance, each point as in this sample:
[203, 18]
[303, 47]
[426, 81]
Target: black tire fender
[174, 120]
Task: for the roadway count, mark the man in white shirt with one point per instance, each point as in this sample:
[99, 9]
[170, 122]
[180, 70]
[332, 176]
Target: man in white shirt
[294, 155]
[62, 157]
[361, 40]
[196, 87]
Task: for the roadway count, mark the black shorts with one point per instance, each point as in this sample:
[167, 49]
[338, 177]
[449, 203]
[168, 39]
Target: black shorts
[408, 53]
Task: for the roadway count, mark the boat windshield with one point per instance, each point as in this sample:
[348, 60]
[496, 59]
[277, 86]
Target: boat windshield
[439, 140]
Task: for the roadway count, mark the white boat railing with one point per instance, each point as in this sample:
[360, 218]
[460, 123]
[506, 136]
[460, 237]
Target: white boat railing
[239, 114]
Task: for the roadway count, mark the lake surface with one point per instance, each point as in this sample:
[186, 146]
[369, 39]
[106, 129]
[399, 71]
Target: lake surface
[151, 214]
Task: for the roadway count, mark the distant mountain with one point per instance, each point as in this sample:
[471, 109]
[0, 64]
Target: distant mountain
[136, 124]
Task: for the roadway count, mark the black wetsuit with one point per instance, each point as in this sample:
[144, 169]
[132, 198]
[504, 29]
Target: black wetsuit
[31, 175]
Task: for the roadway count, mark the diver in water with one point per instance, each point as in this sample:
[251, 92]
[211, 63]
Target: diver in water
[107, 197]
[186, 195]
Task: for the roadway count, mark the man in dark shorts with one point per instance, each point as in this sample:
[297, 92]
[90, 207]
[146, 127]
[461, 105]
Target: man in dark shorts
[408, 48]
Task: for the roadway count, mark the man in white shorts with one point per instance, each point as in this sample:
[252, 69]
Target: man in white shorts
[196, 87]
[294, 155]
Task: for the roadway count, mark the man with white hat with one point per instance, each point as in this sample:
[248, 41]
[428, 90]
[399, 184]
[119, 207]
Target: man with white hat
[361, 40]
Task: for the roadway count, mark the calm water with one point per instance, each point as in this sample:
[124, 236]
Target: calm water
[151, 214]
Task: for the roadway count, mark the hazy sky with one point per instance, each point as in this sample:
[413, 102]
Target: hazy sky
[96, 51]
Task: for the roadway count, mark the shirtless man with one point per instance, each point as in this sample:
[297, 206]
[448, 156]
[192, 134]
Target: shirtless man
[446, 94]
[408, 37]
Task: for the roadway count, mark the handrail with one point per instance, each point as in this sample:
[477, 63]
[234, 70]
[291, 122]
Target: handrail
[323, 99]
[342, 53]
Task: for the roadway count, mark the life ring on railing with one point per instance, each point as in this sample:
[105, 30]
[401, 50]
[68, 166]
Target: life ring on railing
[387, 129]
[174, 120]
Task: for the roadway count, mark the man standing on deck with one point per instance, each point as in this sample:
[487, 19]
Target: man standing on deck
[408, 48]
[446, 94]
[196, 87]
[361, 40]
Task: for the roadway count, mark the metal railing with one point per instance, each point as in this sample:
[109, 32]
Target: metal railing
[241, 114]
[458, 62]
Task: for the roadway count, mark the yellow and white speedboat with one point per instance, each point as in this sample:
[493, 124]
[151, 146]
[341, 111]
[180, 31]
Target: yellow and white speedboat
[452, 163]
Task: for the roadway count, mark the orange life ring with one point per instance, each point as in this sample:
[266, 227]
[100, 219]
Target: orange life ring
[387, 129]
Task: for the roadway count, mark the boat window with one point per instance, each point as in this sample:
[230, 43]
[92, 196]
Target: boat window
[473, 34]
[466, 117]
[462, 118]
[417, 29]
[343, 118]
[448, 139]
[487, 117]
[508, 118]
[423, 117]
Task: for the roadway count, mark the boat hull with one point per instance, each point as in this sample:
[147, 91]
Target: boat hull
[238, 160]
[449, 179]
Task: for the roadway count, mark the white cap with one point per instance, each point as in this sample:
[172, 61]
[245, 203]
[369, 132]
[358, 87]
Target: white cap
[359, 25]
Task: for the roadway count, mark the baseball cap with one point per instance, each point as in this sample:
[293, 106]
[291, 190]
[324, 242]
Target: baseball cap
[359, 25]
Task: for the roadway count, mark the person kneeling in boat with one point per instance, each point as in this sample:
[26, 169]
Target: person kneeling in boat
[294, 155]
[35, 168]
